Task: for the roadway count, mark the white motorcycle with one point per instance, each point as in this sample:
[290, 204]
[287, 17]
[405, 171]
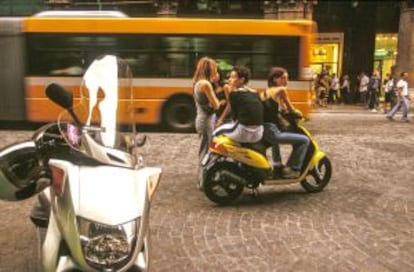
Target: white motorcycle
[93, 189]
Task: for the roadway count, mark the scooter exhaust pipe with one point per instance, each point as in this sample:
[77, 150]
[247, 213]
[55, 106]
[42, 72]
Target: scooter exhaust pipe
[233, 177]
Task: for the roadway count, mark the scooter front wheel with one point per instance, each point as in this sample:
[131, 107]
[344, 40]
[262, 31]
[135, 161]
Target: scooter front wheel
[222, 184]
[318, 177]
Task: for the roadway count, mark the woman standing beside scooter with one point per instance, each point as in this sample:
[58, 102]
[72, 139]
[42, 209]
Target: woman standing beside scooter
[206, 103]
[276, 93]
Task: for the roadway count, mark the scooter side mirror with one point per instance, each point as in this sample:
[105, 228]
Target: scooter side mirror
[59, 95]
[21, 173]
[63, 98]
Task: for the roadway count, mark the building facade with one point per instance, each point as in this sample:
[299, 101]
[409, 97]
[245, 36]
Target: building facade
[354, 36]
[370, 33]
[405, 57]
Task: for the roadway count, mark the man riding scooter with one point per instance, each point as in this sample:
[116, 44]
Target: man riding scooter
[246, 109]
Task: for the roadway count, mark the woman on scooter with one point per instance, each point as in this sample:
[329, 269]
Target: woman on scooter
[206, 102]
[246, 109]
[273, 97]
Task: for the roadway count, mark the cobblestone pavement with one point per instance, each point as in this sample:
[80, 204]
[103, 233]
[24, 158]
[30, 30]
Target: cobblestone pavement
[362, 221]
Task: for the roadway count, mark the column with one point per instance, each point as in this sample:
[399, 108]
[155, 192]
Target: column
[405, 57]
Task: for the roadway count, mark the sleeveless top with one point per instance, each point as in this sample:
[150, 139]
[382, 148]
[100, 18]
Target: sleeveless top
[201, 100]
[270, 111]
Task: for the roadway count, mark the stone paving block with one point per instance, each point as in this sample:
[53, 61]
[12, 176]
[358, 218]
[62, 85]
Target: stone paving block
[362, 221]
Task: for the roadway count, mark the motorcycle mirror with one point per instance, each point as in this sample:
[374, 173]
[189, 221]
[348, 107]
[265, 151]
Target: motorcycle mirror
[60, 95]
[21, 173]
[63, 98]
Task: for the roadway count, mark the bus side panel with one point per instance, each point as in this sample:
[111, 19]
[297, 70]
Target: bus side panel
[147, 106]
[12, 106]
[145, 111]
[42, 110]
[301, 100]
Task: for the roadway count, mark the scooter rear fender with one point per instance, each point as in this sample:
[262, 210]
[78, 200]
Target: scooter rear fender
[226, 147]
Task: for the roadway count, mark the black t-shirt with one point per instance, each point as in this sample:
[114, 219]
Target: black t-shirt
[246, 107]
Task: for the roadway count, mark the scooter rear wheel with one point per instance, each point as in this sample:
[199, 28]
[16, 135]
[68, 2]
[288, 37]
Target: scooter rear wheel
[318, 177]
[220, 188]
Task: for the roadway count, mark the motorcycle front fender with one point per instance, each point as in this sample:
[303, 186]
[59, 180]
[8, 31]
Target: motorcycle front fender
[319, 155]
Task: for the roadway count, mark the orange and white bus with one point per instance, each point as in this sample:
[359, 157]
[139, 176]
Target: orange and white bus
[162, 53]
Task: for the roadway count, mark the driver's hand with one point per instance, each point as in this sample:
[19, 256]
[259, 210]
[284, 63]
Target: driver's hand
[296, 113]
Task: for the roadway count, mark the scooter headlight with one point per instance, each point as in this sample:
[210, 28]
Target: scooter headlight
[107, 246]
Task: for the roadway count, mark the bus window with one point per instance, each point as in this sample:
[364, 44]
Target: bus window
[259, 54]
[166, 56]
[160, 66]
[198, 44]
[180, 65]
[67, 63]
[138, 63]
[176, 43]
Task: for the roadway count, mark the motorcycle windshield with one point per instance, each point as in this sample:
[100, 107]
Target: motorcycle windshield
[101, 124]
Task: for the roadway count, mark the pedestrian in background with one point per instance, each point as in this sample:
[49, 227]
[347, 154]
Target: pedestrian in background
[394, 93]
[333, 89]
[345, 89]
[206, 102]
[373, 91]
[388, 92]
[363, 88]
[323, 87]
[402, 94]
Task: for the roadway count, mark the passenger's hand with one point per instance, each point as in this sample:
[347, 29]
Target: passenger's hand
[219, 122]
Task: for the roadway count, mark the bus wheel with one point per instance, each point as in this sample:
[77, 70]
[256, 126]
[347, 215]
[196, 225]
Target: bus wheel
[179, 114]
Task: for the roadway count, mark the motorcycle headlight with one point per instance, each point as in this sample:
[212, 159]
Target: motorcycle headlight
[106, 246]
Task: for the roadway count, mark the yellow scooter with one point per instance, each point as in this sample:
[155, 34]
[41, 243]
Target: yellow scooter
[229, 167]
